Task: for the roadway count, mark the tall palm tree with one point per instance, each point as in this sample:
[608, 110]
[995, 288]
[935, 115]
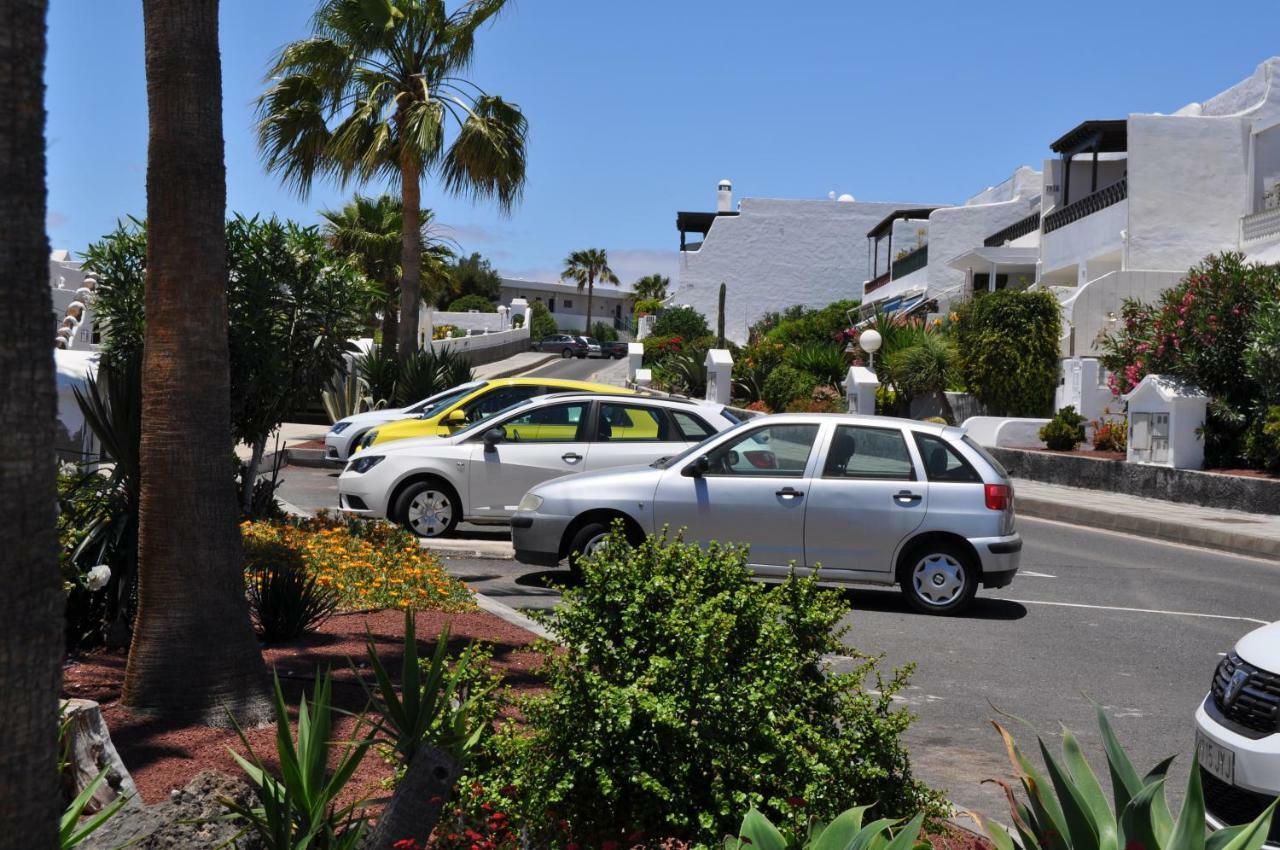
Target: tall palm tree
[651, 287]
[194, 655]
[368, 230]
[585, 268]
[31, 605]
[372, 93]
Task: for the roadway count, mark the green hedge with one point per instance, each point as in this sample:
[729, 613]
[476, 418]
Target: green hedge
[1008, 345]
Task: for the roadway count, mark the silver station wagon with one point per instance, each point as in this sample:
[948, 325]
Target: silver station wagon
[870, 499]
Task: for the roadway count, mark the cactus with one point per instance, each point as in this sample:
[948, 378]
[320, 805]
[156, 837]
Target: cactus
[720, 317]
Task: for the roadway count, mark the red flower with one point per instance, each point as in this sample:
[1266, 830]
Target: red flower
[796, 802]
[405, 844]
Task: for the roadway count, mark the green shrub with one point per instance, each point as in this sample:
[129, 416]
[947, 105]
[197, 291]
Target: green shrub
[752, 367]
[825, 361]
[468, 303]
[683, 322]
[285, 601]
[1262, 443]
[517, 321]
[683, 690]
[542, 323]
[647, 306]
[431, 371]
[1065, 430]
[800, 325]
[786, 384]
[1069, 810]
[658, 348]
[604, 332]
[1262, 354]
[846, 832]
[1008, 347]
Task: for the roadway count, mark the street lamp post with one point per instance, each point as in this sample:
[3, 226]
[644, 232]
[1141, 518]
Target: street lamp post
[869, 341]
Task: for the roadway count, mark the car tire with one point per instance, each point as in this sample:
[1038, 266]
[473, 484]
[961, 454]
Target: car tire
[566, 353]
[589, 536]
[938, 577]
[429, 509]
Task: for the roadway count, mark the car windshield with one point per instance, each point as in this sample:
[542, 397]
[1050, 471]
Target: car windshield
[447, 399]
[591, 341]
[668, 462]
[488, 422]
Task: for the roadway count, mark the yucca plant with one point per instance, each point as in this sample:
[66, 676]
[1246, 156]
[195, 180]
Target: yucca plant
[380, 370]
[1071, 811]
[846, 832]
[299, 808]
[285, 601]
[824, 360]
[431, 371]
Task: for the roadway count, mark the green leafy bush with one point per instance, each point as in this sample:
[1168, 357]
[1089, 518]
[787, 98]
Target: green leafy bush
[846, 832]
[658, 348]
[285, 601]
[1262, 353]
[799, 325]
[786, 384]
[431, 371]
[604, 332]
[683, 322]
[1065, 430]
[1008, 347]
[542, 322]
[647, 306]
[683, 690]
[1262, 443]
[825, 361]
[467, 303]
[1070, 810]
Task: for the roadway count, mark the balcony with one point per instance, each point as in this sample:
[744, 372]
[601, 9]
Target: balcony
[906, 264]
[875, 283]
[1260, 225]
[1017, 230]
[1088, 205]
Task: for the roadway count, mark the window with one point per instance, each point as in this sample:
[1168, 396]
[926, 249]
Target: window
[692, 429]
[618, 423]
[868, 453]
[555, 423]
[499, 399]
[568, 303]
[774, 451]
[944, 464]
[551, 305]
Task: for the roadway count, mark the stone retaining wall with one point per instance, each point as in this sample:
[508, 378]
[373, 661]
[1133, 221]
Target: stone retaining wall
[1215, 490]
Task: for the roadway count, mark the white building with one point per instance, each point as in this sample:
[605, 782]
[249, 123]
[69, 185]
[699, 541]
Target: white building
[773, 253]
[568, 305]
[73, 325]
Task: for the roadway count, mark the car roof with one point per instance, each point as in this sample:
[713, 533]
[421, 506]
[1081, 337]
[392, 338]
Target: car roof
[952, 431]
[579, 386]
[621, 393]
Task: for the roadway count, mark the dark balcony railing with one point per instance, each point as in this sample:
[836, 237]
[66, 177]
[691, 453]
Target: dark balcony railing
[876, 282]
[908, 263]
[1017, 230]
[1076, 210]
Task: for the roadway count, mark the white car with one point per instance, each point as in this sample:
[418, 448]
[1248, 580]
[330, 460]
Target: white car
[1238, 733]
[344, 435]
[481, 472]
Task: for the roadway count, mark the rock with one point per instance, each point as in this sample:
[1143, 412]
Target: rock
[193, 818]
[90, 751]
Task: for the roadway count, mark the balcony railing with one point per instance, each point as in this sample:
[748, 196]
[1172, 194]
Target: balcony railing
[1088, 205]
[906, 264]
[1017, 230]
[1260, 225]
[876, 282]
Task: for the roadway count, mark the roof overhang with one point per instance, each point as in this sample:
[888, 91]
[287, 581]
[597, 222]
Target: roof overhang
[981, 258]
[697, 222]
[1104, 136]
[886, 223]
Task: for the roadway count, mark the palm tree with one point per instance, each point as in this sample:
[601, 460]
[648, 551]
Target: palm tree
[372, 94]
[194, 655]
[585, 268]
[652, 287]
[31, 616]
[368, 230]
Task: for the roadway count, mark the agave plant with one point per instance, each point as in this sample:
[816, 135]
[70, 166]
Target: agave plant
[347, 395]
[846, 832]
[431, 371]
[380, 370]
[1071, 811]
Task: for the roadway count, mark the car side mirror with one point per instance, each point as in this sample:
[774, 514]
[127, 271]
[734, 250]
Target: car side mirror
[494, 436]
[456, 419]
[700, 467]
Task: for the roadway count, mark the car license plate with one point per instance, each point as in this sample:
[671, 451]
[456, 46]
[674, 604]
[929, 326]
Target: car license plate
[1216, 759]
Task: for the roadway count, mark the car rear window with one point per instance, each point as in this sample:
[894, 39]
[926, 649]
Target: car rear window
[944, 464]
[985, 455]
[692, 427]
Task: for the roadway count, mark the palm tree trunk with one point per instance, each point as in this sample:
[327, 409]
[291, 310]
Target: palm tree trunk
[410, 257]
[391, 320]
[591, 289]
[31, 605]
[194, 656]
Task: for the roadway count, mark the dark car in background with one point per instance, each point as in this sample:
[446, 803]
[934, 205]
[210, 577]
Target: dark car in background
[566, 345]
[616, 349]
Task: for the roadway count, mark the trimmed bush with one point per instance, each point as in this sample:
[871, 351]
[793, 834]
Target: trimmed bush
[684, 691]
[786, 384]
[1007, 342]
[681, 321]
[543, 323]
[604, 332]
[1065, 431]
[472, 302]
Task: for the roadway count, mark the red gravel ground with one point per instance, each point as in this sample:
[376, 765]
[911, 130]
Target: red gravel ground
[163, 757]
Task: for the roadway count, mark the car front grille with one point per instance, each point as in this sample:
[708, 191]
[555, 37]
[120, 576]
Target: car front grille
[1257, 706]
[1234, 806]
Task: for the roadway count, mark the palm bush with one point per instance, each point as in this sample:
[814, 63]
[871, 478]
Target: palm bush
[925, 367]
[285, 601]
[1071, 811]
[825, 361]
[380, 370]
[431, 371]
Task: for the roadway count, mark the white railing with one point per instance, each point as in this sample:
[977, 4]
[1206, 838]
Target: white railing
[1259, 225]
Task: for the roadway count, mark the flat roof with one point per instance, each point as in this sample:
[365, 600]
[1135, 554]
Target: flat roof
[1110, 135]
[912, 212]
[600, 290]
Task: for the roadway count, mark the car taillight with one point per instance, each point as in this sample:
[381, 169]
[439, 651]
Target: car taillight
[998, 496]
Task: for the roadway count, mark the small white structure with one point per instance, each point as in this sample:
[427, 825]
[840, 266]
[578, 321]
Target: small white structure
[719, 375]
[635, 359]
[1165, 419]
[520, 307]
[1005, 432]
[644, 326]
[1083, 385]
[860, 387]
[644, 378]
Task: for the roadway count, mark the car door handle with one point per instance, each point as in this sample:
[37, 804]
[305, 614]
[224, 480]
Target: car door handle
[906, 497]
[571, 457]
[789, 493]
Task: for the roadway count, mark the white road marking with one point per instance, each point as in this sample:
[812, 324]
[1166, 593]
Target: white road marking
[1035, 574]
[1140, 610]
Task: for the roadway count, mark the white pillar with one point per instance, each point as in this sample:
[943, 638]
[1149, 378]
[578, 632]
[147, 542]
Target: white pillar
[860, 386]
[719, 375]
[635, 359]
[427, 329]
[644, 326]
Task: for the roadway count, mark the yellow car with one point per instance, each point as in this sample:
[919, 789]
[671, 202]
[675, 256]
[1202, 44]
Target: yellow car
[474, 402]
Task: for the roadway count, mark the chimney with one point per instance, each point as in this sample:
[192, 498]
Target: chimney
[724, 197]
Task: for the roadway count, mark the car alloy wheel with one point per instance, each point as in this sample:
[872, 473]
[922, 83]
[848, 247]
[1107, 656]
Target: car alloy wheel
[430, 513]
[938, 579]
[566, 354]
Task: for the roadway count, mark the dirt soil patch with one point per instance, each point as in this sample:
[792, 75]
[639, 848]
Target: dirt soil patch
[163, 756]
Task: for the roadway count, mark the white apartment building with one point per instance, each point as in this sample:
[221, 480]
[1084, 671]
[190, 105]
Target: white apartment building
[568, 305]
[772, 253]
[73, 325]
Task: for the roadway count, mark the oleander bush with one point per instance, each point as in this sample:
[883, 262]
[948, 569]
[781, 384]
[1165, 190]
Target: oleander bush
[683, 691]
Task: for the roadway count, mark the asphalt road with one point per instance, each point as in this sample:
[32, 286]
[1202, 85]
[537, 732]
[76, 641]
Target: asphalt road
[570, 368]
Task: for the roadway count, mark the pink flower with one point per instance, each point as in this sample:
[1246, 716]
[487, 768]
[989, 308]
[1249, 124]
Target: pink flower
[1143, 347]
[1181, 322]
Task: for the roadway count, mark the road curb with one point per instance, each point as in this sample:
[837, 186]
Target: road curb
[498, 550]
[505, 612]
[1221, 539]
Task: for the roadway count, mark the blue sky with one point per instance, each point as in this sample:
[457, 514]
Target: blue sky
[638, 109]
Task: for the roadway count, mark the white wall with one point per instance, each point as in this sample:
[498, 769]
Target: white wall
[1086, 311]
[955, 230]
[1063, 252]
[481, 341]
[777, 253]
